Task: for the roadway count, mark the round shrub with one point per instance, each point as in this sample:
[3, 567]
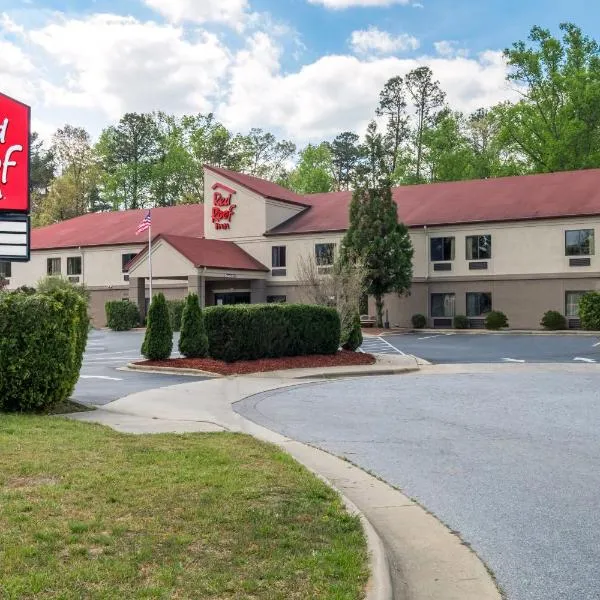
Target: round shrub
[496, 320]
[589, 311]
[42, 341]
[176, 313]
[419, 321]
[122, 315]
[352, 337]
[158, 341]
[193, 342]
[461, 322]
[554, 321]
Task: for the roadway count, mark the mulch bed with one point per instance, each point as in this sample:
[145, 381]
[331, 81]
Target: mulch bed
[245, 367]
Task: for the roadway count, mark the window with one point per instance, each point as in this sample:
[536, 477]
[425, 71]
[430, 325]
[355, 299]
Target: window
[579, 242]
[53, 266]
[74, 265]
[478, 304]
[324, 254]
[5, 270]
[278, 260]
[442, 249]
[442, 305]
[276, 299]
[126, 259]
[572, 300]
[479, 247]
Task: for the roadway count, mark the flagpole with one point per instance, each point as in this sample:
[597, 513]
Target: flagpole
[150, 257]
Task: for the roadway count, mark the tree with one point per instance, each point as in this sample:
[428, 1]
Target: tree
[428, 99]
[392, 106]
[374, 167]
[193, 342]
[267, 157]
[345, 155]
[313, 174]
[556, 124]
[158, 341]
[41, 175]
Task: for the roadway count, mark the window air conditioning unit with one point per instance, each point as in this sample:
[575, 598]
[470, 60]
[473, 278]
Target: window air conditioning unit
[125, 277]
[73, 279]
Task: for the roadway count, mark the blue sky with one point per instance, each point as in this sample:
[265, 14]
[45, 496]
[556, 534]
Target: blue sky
[305, 69]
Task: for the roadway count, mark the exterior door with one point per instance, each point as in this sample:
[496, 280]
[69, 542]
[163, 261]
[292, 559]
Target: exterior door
[232, 298]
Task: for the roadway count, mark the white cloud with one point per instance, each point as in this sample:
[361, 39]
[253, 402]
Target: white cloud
[230, 12]
[375, 41]
[449, 48]
[342, 4]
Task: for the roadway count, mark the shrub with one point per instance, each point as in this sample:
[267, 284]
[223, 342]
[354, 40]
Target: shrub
[176, 313]
[461, 322]
[249, 332]
[351, 338]
[122, 315]
[42, 341]
[589, 311]
[419, 321]
[496, 320]
[193, 342]
[554, 321]
[158, 341]
[54, 283]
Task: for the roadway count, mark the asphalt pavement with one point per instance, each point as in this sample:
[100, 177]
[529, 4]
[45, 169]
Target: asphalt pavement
[102, 382]
[460, 348]
[510, 462]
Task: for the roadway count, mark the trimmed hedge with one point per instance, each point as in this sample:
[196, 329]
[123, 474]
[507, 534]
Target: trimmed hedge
[42, 341]
[158, 341]
[589, 311]
[419, 321]
[554, 321]
[352, 337]
[250, 332]
[461, 322]
[122, 315]
[496, 320]
[193, 342]
[176, 313]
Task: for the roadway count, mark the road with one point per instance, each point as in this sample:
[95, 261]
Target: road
[100, 381]
[511, 461]
[489, 348]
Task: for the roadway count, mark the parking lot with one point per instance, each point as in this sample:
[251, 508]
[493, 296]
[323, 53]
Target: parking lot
[463, 348]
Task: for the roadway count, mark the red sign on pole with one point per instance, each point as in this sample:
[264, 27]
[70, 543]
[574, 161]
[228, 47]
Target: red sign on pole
[15, 119]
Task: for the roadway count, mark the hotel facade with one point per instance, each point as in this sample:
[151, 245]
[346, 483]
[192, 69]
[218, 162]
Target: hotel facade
[522, 245]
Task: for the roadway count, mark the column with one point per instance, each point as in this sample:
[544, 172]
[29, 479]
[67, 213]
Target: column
[258, 291]
[137, 294]
[197, 285]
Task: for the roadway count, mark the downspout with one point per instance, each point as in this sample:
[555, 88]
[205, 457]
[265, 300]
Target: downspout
[427, 257]
[82, 252]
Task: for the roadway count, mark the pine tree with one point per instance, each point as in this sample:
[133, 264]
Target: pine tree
[193, 342]
[158, 341]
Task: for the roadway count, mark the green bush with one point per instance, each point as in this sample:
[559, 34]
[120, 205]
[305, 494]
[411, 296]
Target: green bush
[193, 342]
[461, 322]
[352, 337]
[496, 320]
[42, 341]
[554, 321]
[589, 311]
[158, 341]
[419, 321]
[55, 283]
[249, 332]
[176, 313]
[122, 315]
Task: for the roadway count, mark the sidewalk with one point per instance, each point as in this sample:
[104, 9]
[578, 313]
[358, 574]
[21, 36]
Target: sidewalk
[426, 561]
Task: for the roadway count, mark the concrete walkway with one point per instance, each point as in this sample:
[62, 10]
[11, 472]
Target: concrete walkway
[423, 560]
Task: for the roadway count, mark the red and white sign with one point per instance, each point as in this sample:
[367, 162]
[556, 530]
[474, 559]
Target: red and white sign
[15, 120]
[223, 208]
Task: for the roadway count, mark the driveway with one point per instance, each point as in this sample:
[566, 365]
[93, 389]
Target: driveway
[509, 459]
[461, 348]
[101, 382]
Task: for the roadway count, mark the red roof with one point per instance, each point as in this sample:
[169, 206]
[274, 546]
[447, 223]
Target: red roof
[214, 254]
[567, 194]
[118, 228]
[268, 189]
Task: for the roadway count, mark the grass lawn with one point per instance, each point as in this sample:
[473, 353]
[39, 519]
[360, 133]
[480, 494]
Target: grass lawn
[86, 512]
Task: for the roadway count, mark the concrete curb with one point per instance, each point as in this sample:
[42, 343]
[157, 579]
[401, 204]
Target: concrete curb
[171, 371]
[576, 332]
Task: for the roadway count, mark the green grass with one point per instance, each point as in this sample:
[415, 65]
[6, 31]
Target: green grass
[86, 512]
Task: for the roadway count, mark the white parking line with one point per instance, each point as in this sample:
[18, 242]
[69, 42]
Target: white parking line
[392, 347]
[430, 337]
[513, 360]
[596, 345]
[585, 360]
[100, 377]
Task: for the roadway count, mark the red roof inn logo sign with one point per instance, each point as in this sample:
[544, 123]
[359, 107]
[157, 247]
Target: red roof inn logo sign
[223, 209]
[14, 179]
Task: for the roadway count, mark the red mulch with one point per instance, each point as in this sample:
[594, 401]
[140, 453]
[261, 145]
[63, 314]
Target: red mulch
[244, 367]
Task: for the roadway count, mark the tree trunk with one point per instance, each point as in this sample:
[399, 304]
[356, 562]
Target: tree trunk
[379, 308]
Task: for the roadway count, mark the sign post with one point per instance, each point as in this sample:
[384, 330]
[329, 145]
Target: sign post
[15, 226]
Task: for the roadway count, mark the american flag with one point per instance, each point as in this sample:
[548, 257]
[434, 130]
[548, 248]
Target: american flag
[145, 224]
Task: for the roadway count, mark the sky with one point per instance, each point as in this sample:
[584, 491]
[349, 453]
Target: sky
[304, 69]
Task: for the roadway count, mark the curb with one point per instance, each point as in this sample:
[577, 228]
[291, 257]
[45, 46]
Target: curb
[540, 332]
[172, 371]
